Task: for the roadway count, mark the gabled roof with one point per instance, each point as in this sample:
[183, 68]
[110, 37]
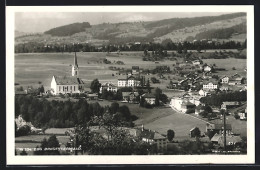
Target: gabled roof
[108, 84]
[219, 126]
[67, 80]
[148, 95]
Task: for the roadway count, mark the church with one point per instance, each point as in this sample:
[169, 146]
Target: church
[68, 84]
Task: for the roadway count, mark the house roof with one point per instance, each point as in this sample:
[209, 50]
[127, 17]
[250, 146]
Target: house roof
[20, 92]
[67, 80]
[219, 126]
[148, 95]
[187, 103]
[216, 138]
[108, 84]
[231, 103]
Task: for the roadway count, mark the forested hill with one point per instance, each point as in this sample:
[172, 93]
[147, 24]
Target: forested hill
[68, 30]
[222, 33]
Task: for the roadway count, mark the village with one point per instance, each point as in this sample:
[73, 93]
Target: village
[202, 95]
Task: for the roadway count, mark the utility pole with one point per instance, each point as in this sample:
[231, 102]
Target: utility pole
[224, 131]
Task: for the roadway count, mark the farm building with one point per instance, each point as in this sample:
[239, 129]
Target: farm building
[219, 128]
[68, 84]
[230, 140]
[149, 98]
[108, 86]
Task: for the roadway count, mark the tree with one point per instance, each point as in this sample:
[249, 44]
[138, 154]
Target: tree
[170, 134]
[95, 86]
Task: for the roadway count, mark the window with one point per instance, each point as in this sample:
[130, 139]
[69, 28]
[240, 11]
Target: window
[74, 88]
[59, 88]
[70, 88]
[62, 88]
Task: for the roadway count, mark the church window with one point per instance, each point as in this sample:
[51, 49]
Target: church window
[70, 87]
[59, 88]
[74, 88]
[63, 88]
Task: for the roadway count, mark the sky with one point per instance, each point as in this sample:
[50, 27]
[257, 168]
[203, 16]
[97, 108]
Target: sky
[32, 22]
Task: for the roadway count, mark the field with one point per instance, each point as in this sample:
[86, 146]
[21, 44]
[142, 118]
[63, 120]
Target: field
[35, 67]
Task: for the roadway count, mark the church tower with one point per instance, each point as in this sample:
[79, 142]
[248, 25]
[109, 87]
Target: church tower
[75, 67]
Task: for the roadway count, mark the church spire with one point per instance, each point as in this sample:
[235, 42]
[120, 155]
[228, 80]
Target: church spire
[75, 60]
[75, 67]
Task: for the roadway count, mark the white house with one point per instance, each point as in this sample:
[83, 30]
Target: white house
[68, 84]
[224, 79]
[129, 82]
[207, 68]
[108, 86]
[210, 85]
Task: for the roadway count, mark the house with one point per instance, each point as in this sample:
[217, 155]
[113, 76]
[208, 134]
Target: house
[129, 82]
[243, 115]
[187, 106]
[219, 128]
[224, 79]
[235, 81]
[207, 68]
[153, 137]
[92, 96]
[131, 97]
[199, 109]
[135, 70]
[149, 98]
[224, 88]
[108, 86]
[204, 93]
[68, 84]
[210, 85]
[231, 140]
[229, 105]
[196, 62]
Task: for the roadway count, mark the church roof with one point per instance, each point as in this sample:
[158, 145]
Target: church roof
[67, 80]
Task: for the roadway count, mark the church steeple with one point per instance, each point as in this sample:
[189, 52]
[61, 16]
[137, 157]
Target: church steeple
[75, 67]
[75, 60]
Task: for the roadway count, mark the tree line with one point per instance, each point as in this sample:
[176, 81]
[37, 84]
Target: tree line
[167, 44]
[63, 114]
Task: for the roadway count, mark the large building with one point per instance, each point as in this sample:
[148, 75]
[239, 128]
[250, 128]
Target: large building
[68, 84]
[108, 86]
[129, 82]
